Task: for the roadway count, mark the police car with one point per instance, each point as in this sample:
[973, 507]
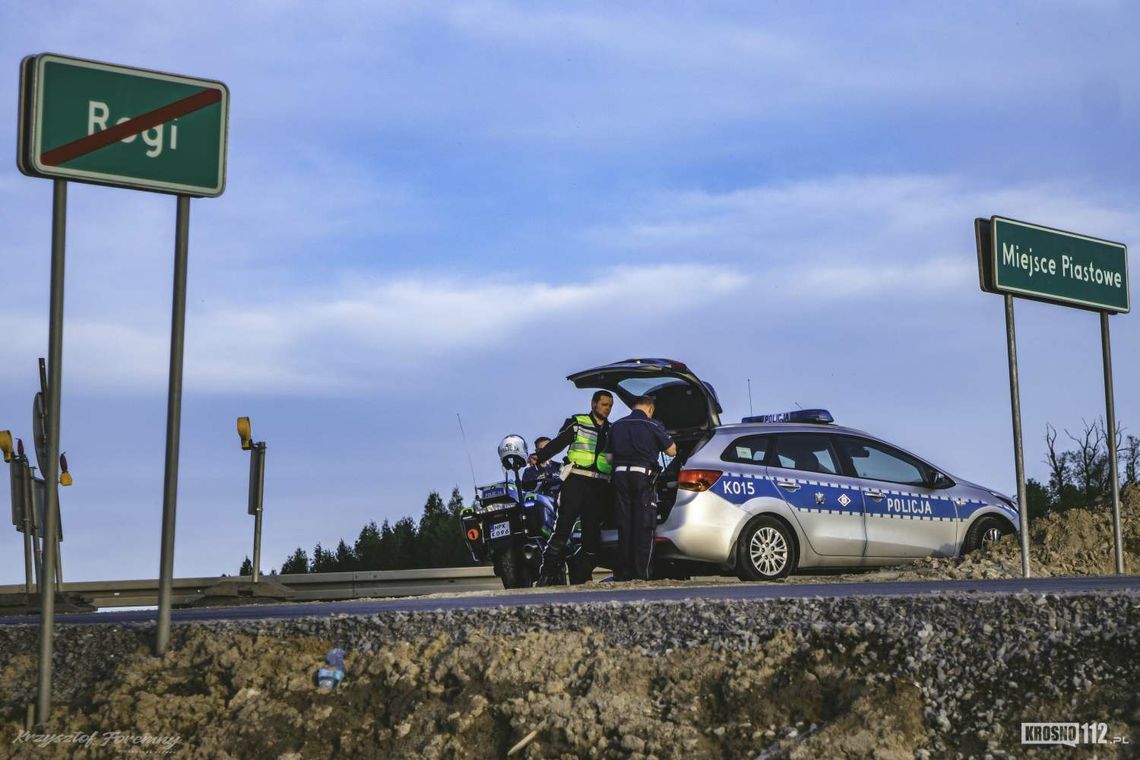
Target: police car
[781, 493]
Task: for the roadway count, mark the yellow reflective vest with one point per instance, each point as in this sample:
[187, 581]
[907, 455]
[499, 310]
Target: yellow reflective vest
[584, 449]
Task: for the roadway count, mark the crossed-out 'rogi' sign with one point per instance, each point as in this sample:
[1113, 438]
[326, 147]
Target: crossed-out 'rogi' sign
[125, 127]
[122, 126]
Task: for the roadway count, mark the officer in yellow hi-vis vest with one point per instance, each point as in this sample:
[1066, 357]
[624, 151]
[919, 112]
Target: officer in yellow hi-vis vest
[585, 489]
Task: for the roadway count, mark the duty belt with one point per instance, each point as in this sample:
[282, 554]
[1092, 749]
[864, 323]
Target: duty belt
[633, 468]
[589, 473]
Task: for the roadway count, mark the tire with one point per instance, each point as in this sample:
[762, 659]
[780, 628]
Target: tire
[765, 551]
[511, 566]
[984, 531]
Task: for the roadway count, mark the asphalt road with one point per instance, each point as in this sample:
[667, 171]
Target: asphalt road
[1128, 583]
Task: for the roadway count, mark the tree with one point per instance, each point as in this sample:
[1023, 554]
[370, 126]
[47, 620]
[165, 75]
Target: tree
[323, 561]
[368, 549]
[246, 568]
[297, 563]
[345, 558]
[403, 544]
[1130, 453]
[431, 539]
[1038, 498]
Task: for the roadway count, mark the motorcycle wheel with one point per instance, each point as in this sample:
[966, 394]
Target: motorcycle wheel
[511, 566]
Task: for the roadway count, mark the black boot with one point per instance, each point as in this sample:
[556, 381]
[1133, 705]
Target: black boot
[581, 567]
[552, 561]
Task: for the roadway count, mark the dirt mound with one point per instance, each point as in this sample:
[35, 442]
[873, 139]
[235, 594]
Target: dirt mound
[869, 677]
[1073, 542]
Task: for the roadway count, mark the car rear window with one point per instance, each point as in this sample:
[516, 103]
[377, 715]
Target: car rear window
[750, 449]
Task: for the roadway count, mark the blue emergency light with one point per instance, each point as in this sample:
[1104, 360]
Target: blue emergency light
[817, 416]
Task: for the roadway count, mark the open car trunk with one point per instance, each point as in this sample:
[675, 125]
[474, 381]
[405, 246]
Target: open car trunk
[685, 404]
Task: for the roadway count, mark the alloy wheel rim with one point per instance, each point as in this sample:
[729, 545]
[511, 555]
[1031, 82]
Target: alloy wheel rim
[768, 551]
[991, 535]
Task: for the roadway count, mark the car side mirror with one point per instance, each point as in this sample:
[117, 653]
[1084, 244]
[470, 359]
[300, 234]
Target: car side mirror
[940, 481]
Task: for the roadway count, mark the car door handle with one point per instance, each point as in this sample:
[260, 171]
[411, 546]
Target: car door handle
[874, 494]
[788, 485]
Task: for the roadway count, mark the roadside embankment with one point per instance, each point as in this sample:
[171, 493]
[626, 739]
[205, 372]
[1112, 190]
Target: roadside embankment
[873, 676]
[1073, 542]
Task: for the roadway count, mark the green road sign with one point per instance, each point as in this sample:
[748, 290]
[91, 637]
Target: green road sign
[127, 127]
[1045, 264]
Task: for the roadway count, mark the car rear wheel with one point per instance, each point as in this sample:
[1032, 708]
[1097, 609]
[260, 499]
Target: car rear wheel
[984, 532]
[765, 550]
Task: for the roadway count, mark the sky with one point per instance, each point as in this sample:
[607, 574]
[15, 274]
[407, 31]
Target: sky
[436, 209]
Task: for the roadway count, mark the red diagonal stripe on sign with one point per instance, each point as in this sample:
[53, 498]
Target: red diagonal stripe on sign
[85, 145]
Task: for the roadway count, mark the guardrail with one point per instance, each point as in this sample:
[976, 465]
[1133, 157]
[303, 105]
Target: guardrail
[306, 587]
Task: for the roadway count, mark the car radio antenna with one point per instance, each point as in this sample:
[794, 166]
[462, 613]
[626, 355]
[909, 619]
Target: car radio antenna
[470, 464]
[749, 397]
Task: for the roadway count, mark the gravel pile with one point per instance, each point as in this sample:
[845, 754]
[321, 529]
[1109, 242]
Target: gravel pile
[1073, 542]
[875, 676]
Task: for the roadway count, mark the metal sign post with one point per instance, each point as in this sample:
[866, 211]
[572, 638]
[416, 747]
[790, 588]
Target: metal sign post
[51, 471]
[1018, 451]
[1110, 414]
[173, 422]
[1068, 269]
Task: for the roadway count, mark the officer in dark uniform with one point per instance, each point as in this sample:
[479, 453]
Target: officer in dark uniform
[635, 445]
[533, 472]
[585, 490]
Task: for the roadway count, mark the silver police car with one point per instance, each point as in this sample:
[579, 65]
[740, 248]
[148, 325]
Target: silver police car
[790, 492]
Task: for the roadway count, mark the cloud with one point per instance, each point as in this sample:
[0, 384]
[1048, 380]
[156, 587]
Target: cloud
[878, 220]
[369, 335]
[838, 240]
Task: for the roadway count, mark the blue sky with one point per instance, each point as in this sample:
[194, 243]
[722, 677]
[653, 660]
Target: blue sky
[441, 208]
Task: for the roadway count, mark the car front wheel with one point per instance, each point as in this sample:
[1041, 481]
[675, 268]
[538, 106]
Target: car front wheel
[984, 532]
[765, 550]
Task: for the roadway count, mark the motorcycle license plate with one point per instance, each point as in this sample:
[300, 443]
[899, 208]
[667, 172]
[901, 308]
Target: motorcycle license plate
[498, 530]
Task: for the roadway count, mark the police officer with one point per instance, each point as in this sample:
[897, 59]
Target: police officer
[533, 472]
[585, 489]
[635, 443]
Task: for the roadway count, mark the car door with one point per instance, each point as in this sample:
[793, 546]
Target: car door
[904, 517]
[828, 504]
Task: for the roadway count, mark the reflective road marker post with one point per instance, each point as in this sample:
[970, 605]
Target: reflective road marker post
[1068, 269]
[16, 467]
[256, 487]
[125, 127]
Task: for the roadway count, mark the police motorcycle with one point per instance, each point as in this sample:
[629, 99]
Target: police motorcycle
[511, 520]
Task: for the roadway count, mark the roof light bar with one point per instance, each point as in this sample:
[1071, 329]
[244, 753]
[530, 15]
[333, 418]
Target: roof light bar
[817, 416]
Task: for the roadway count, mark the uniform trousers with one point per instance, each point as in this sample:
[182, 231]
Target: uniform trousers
[581, 498]
[636, 517]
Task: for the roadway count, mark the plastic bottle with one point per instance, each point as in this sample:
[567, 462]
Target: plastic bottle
[332, 673]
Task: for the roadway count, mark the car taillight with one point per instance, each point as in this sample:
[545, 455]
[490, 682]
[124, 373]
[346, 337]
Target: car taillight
[698, 480]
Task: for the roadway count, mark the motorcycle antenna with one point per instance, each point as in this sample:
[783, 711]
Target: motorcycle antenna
[749, 397]
[468, 450]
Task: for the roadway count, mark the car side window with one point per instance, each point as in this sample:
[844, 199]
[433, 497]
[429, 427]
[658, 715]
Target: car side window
[750, 449]
[805, 452]
[875, 461]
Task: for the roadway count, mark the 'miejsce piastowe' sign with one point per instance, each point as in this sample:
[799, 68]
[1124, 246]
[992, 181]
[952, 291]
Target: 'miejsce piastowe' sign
[121, 126]
[1051, 265]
